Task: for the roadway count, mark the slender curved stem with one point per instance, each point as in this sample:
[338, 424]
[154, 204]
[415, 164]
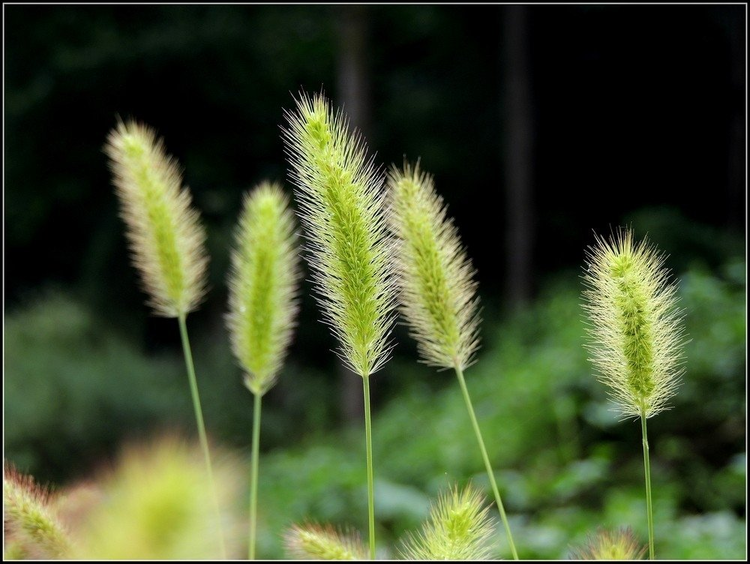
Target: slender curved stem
[486, 458]
[254, 476]
[201, 426]
[647, 471]
[370, 477]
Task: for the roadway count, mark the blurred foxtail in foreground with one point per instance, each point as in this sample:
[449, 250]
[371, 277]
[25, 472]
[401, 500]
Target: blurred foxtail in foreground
[620, 544]
[262, 305]
[340, 200]
[323, 542]
[635, 332]
[155, 505]
[165, 235]
[437, 290]
[33, 530]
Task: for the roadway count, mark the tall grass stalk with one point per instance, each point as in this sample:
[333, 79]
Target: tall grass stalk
[166, 240]
[341, 207]
[262, 305]
[636, 334]
[199, 419]
[437, 288]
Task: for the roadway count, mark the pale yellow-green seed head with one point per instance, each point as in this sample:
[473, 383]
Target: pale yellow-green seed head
[621, 544]
[434, 274]
[33, 530]
[635, 328]
[262, 286]
[459, 528]
[323, 542]
[156, 504]
[340, 200]
[163, 229]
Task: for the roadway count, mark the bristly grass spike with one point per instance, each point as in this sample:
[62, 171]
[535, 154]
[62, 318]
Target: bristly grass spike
[636, 337]
[340, 196]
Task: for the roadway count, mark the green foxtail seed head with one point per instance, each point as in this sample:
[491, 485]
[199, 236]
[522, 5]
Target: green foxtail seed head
[164, 232]
[156, 505]
[610, 545]
[32, 527]
[262, 286]
[437, 292]
[459, 528]
[319, 542]
[635, 330]
[341, 207]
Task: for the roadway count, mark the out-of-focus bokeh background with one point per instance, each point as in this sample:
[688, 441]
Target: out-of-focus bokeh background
[541, 124]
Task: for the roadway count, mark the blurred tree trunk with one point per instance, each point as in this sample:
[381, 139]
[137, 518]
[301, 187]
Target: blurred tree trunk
[519, 235]
[353, 87]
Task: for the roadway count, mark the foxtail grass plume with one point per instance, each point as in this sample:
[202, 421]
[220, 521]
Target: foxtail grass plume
[437, 289]
[262, 285]
[635, 330]
[323, 542]
[163, 230]
[341, 207]
[459, 528]
[435, 276]
[620, 544]
[156, 505]
[33, 529]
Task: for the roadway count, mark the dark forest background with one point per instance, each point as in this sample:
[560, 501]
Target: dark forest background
[541, 125]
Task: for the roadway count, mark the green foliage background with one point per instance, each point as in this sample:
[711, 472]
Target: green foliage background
[626, 132]
[565, 463]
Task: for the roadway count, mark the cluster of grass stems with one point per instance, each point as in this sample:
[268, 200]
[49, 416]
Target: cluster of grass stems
[378, 246]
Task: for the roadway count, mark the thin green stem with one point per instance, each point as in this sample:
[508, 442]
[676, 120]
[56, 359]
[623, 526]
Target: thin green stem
[647, 471]
[370, 476]
[486, 458]
[201, 426]
[254, 476]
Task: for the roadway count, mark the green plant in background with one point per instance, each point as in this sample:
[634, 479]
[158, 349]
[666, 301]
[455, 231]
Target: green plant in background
[262, 306]
[32, 528]
[437, 290]
[323, 542]
[620, 544]
[459, 528]
[341, 207]
[165, 235]
[635, 331]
